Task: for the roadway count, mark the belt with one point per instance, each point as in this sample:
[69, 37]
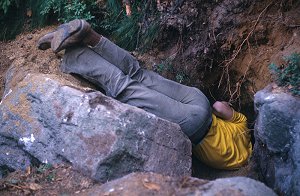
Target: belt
[198, 136]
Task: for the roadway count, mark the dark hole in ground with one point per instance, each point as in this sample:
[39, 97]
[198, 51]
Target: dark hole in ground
[169, 36]
[243, 104]
[202, 171]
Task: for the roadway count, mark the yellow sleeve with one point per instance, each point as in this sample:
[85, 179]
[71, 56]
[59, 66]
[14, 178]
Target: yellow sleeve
[238, 117]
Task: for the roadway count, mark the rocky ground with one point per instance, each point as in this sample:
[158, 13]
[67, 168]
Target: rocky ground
[241, 40]
[45, 180]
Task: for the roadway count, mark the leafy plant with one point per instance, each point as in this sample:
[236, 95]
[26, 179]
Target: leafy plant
[67, 11]
[51, 176]
[75, 10]
[160, 68]
[126, 32]
[165, 65]
[5, 4]
[55, 6]
[14, 13]
[181, 77]
[44, 167]
[11, 18]
[288, 74]
[135, 32]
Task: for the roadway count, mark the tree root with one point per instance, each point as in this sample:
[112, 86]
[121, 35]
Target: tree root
[234, 95]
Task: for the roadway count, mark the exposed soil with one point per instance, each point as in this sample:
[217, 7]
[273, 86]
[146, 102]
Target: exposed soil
[228, 47]
[23, 53]
[226, 55]
[45, 180]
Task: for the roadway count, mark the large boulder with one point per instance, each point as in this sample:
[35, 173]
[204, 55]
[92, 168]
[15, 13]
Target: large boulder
[155, 184]
[48, 120]
[277, 134]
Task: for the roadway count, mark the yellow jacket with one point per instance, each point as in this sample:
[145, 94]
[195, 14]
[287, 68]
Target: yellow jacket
[227, 144]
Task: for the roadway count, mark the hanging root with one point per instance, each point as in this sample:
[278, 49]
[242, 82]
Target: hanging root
[235, 95]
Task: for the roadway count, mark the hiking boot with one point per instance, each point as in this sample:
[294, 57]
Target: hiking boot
[44, 42]
[69, 34]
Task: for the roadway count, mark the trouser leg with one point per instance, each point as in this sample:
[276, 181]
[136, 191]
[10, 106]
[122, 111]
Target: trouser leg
[130, 66]
[117, 56]
[189, 96]
[86, 62]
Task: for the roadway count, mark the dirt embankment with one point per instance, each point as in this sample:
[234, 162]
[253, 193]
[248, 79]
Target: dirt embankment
[226, 49]
[22, 52]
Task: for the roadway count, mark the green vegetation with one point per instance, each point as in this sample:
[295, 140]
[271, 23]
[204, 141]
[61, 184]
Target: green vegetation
[136, 31]
[182, 77]
[15, 14]
[166, 66]
[4, 5]
[47, 169]
[10, 19]
[288, 75]
[66, 11]
[44, 167]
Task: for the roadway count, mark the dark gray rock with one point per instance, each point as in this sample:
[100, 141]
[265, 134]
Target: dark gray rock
[277, 134]
[238, 186]
[156, 184]
[11, 157]
[103, 138]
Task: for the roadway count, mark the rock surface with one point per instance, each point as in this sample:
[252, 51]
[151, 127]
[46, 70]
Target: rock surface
[8, 159]
[277, 134]
[156, 184]
[47, 119]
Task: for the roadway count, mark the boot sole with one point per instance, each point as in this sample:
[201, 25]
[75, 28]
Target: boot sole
[64, 32]
[44, 42]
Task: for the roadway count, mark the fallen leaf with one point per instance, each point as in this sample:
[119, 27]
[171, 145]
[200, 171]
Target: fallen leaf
[151, 186]
[34, 186]
[29, 13]
[28, 171]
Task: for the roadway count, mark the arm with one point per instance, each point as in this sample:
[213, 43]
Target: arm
[223, 110]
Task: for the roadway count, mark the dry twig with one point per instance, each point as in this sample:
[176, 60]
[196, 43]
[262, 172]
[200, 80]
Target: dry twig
[293, 26]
